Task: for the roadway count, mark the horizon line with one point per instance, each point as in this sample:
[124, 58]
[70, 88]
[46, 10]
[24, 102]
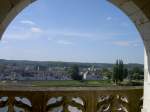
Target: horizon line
[65, 61]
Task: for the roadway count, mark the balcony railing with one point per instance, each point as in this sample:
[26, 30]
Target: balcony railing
[70, 99]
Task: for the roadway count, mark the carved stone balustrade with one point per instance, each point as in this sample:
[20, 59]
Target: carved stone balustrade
[70, 99]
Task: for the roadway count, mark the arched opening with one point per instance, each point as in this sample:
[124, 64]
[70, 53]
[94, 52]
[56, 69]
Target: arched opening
[141, 22]
[74, 38]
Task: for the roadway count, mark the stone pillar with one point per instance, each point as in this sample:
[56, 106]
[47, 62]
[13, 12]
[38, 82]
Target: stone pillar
[146, 103]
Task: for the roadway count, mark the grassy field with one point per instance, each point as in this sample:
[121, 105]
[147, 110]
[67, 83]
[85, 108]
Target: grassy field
[71, 83]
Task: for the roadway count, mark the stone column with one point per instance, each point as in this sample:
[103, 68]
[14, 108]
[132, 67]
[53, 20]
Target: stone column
[146, 103]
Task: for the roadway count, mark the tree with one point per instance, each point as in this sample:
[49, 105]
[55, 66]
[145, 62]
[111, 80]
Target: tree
[125, 73]
[137, 73]
[119, 71]
[137, 70]
[106, 73]
[115, 72]
[75, 73]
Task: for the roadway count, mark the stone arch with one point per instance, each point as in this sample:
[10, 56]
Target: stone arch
[137, 10]
[9, 9]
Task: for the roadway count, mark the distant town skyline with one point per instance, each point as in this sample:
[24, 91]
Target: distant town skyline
[72, 31]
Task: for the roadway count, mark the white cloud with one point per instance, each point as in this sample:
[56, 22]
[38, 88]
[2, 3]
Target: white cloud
[3, 41]
[126, 43]
[135, 45]
[24, 33]
[109, 18]
[124, 24]
[64, 42]
[36, 30]
[67, 33]
[33, 32]
[49, 39]
[28, 22]
[122, 43]
[77, 34]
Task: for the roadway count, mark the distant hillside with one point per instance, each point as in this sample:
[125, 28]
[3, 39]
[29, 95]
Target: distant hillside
[23, 63]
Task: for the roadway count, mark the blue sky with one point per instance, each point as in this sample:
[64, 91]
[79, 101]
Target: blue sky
[72, 30]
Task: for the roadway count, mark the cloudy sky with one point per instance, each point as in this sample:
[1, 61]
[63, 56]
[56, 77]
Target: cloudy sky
[72, 30]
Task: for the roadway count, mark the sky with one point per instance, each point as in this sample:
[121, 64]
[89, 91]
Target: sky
[72, 31]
